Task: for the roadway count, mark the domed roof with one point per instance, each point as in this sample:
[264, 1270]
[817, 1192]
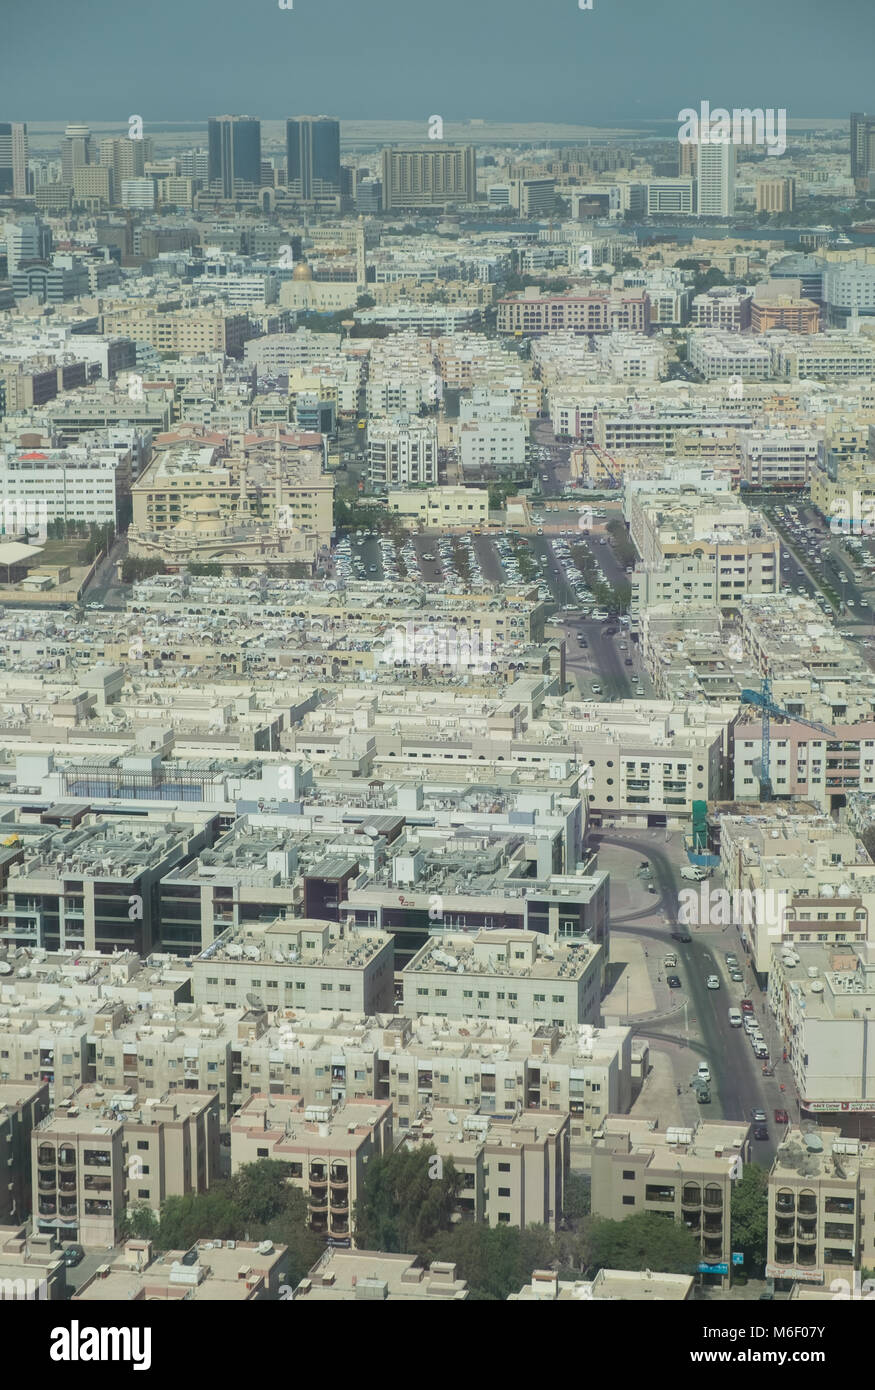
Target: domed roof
[302, 271]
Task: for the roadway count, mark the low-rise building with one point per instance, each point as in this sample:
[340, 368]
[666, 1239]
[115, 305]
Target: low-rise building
[345, 1276]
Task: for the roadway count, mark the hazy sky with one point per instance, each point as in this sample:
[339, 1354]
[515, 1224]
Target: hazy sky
[508, 60]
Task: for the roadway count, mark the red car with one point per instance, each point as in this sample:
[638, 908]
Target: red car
[746, 1006]
[781, 1117]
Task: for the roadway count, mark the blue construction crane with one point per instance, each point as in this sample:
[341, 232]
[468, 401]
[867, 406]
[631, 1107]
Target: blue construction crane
[762, 700]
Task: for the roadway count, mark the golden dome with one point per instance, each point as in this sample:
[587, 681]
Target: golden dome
[302, 271]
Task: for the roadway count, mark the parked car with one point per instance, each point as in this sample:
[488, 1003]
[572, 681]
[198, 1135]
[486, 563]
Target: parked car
[674, 982]
[703, 1072]
[736, 976]
[759, 1115]
[73, 1255]
[670, 961]
[746, 1006]
[760, 1132]
[735, 1017]
[781, 1117]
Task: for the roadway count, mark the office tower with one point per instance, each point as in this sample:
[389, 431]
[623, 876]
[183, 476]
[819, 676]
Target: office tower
[429, 176]
[125, 157]
[234, 144]
[862, 148]
[687, 161]
[716, 180]
[775, 195]
[195, 164]
[368, 195]
[27, 240]
[313, 156]
[13, 158]
[77, 149]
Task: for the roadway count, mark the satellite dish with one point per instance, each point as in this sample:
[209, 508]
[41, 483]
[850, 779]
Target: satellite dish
[5, 967]
[813, 1143]
[254, 1001]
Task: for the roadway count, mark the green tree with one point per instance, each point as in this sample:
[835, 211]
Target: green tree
[496, 1261]
[644, 1241]
[749, 1210]
[401, 1207]
[578, 1196]
[259, 1191]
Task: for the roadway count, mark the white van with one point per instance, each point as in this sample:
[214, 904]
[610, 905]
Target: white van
[735, 1018]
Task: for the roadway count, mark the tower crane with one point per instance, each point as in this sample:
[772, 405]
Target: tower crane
[762, 700]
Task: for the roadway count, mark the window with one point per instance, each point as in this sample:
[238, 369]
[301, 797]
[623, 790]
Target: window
[263, 1153]
[142, 1143]
[504, 1167]
[504, 1192]
[628, 1201]
[628, 1175]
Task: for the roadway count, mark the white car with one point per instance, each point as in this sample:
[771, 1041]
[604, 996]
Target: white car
[703, 1071]
[712, 982]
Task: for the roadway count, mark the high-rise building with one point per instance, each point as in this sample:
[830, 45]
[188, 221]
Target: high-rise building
[234, 153]
[429, 176]
[715, 164]
[13, 158]
[194, 164]
[77, 149]
[125, 157]
[313, 156]
[775, 195]
[27, 240]
[862, 148]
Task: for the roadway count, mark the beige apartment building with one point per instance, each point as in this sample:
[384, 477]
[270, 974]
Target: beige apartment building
[297, 963]
[775, 195]
[23, 1106]
[599, 312]
[98, 1152]
[506, 975]
[514, 1167]
[231, 1271]
[641, 1286]
[374, 1276]
[187, 331]
[820, 1186]
[683, 1173]
[441, 506]
[326, 1147]
[31, 1266]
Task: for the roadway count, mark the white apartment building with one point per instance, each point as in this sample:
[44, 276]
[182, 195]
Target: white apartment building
[402, 451]
[779, 457]
[724, 354]
[715, 180]
[77, 483]
[494, 442]
[441, 506]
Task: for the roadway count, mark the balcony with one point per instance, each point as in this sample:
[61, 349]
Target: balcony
[843, 1206]
[45, 1156]
[783, 1229]
[713, 1225]
[807, 1205]
[785, 1202]
[784, 1254]
[67, 1183]
[48, 1206]
[68, 1208]
[339, 1226]
[47, 1181]
[94, 1183]
[339, 1175]
[318, 1202]
[806, 1232]
[319, 1172]
[806, 1255]
[691, 1197]
[713, 1197]
[97, 1208]
[66, 1158]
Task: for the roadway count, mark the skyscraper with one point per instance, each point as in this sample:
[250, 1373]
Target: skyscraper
[234, 144]
[13, 159]
[715, 164]
[313, 156]
[862, 148]
[77, 148]
[125, 157]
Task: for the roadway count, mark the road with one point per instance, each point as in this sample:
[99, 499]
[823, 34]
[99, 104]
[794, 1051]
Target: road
[738, 1084]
